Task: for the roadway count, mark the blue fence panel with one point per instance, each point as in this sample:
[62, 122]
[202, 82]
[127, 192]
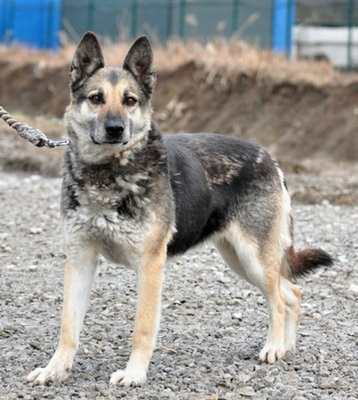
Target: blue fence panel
[283, 22]
[35, 23]
[4, 20]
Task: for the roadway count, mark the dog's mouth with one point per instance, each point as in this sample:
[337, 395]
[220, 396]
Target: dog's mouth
[108, 142]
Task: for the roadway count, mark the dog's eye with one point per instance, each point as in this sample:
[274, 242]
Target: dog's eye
[95, 99]
[130, 101]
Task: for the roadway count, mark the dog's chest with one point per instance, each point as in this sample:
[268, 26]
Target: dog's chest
[113, 214]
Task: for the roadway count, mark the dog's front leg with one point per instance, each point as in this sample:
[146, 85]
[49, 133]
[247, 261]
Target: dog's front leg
[79, 272]
[150, 279]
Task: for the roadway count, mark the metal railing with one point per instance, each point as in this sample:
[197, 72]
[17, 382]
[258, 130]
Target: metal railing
[163, 19]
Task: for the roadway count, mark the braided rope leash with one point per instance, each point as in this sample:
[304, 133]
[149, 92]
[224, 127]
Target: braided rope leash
[32, 135]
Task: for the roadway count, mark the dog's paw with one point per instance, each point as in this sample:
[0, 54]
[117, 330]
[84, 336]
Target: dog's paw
[128, 377]
[43, 376]
[270, 353]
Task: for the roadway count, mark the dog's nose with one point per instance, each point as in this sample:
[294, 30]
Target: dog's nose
[114, 129]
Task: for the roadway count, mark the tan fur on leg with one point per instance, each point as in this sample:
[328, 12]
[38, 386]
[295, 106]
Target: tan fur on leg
[77, 284]
[293, 304]
[150, 279]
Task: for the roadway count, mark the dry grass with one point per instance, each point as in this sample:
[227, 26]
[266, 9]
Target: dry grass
[237, 57]
[226, 58]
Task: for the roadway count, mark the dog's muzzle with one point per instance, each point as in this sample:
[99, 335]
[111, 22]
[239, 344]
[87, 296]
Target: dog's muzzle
[114, 131]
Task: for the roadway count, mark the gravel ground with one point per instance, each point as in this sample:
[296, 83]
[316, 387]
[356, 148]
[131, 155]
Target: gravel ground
[213, 324]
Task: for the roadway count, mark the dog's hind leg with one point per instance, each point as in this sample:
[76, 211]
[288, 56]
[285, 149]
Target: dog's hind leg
[79, 273]
[274, 348]
[293, 304]
[243, 257]
[150, 276]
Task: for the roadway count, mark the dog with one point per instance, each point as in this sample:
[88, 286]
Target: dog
[138, 197]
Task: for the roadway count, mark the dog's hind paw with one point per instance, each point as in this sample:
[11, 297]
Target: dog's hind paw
[43, 376]
[128, 378]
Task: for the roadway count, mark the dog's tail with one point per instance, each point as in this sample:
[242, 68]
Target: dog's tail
[303, 262]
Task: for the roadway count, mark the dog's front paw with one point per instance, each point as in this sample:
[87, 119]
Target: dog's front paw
[270, 353]
[43, 376]
[128, 377]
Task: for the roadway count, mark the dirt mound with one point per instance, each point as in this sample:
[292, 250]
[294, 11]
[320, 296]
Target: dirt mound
[295, 121]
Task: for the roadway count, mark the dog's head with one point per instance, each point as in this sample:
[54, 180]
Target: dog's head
[110, 109]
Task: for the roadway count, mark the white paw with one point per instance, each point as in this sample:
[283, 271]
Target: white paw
[271, 353]
[43, 376]
[128, 377]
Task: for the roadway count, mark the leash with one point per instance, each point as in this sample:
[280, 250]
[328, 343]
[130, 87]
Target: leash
[32, 135]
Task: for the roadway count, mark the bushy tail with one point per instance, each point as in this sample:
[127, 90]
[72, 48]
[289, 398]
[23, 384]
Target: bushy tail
[303, 262]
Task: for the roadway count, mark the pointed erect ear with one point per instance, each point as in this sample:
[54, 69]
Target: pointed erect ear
[87, 60]
[139, 61]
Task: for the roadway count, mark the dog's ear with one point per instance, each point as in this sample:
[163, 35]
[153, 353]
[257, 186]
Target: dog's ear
[87, 60]
[139, 61]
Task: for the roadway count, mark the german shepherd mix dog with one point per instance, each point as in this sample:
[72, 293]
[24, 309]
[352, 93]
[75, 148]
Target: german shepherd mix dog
[137, 197]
